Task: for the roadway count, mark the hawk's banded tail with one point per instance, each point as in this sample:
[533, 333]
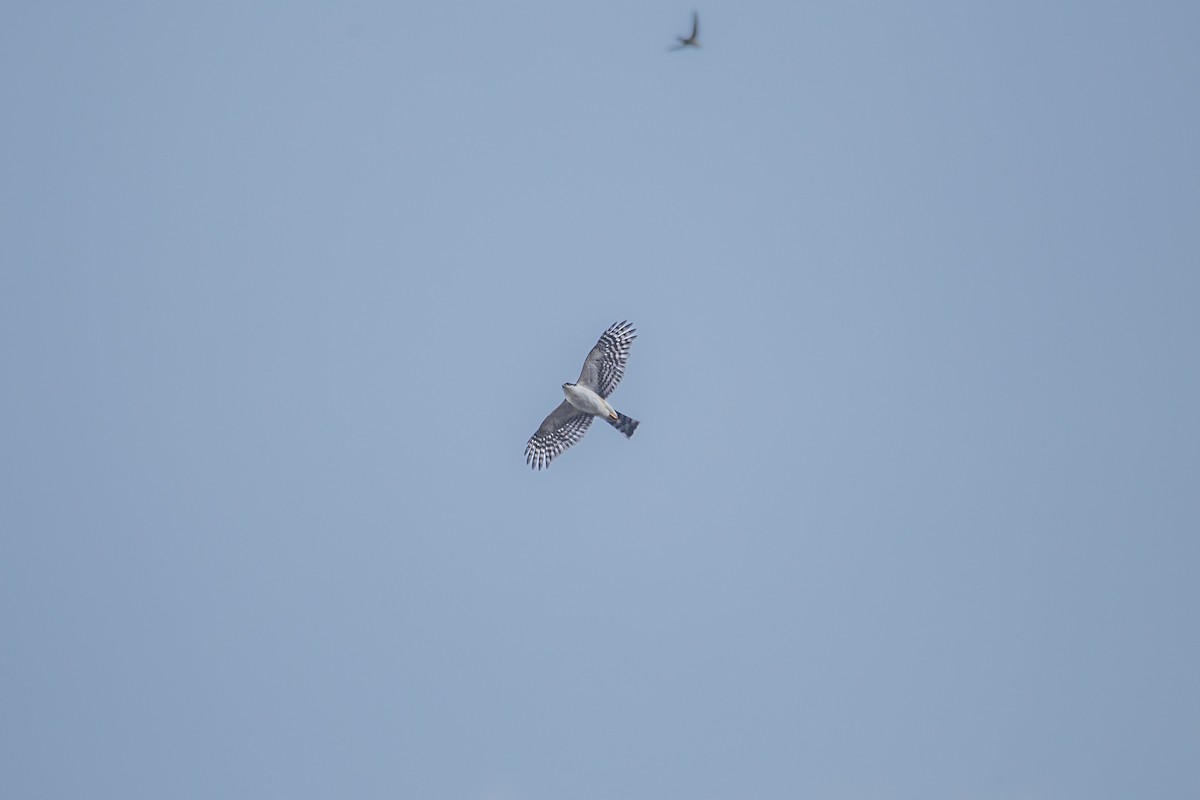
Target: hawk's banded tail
[626, 425]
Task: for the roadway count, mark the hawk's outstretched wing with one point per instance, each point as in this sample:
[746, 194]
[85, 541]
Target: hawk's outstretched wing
[605, 365]
[565, 426]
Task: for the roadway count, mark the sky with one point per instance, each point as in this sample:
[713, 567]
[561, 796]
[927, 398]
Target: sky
[913, 510]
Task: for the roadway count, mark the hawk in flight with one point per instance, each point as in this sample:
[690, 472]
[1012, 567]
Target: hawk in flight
[694, 39]
[602, 371]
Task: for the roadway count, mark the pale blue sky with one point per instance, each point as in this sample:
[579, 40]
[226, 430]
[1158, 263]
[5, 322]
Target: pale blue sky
[913, 511]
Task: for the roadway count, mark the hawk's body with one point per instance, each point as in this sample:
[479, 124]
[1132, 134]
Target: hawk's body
[587, 401]
[602, 371]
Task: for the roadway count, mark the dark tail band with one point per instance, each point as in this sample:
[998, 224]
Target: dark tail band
[626, 425]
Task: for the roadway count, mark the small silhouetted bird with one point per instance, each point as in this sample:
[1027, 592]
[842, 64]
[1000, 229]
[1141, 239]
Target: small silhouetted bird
[694, 39]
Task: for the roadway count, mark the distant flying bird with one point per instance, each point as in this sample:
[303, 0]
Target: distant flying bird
[694, 39]
[602, 371]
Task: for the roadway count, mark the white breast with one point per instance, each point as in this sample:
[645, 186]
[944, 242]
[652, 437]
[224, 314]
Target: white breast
[587, 401]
